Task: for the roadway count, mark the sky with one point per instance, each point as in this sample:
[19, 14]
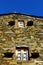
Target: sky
[31, 7]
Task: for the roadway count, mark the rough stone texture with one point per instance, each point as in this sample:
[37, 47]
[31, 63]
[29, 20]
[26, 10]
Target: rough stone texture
[12, 36]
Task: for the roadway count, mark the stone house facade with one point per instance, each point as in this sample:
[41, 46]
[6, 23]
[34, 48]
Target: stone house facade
[21, 39]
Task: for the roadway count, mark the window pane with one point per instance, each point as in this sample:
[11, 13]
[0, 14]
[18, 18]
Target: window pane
[25, 55]
[20, 24]
[19, 55]
[24, 58]
[19, 58]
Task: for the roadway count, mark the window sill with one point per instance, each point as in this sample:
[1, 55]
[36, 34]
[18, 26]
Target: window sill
[25, 61]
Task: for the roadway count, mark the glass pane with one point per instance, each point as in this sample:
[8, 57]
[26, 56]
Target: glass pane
[19, 58]
[25, 55]
[19, 55]
[20, 24]
[24, 58]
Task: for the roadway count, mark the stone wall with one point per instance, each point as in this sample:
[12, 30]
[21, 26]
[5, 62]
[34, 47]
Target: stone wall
[12, 36]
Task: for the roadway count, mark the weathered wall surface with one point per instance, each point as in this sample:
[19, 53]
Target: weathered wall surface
[12, 36]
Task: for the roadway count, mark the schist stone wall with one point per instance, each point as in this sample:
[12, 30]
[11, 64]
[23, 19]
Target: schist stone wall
[20, 30]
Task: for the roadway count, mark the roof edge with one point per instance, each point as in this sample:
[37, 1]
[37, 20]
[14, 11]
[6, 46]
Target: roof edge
[21, 14]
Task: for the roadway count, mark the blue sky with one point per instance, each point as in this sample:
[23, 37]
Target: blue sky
[34, 7]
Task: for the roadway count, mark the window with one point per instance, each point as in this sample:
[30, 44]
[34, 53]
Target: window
[35, 55]
[8, 55]
[11, 23]
[21, 23]
[29, 23]
[22, 54]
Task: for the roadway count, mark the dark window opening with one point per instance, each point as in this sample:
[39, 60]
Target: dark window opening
[25, 48]
[11, 23]
[29, 23]
[34, 55]
[8, 54]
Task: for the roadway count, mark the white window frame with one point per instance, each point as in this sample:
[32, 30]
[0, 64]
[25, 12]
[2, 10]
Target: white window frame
[21, 23]
[22, 56]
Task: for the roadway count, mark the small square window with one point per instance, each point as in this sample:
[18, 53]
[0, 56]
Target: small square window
[21, 23]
